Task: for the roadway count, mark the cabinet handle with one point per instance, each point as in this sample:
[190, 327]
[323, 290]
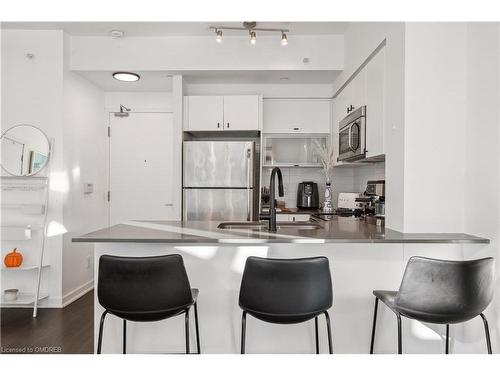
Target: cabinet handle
[218, 125]
[228, 125]
[295, 128]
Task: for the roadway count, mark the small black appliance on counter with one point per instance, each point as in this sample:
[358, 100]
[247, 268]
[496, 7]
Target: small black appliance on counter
[307, 195]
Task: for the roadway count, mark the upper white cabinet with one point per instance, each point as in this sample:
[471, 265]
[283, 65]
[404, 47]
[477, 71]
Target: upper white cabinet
[296, 116]
[238, 112]
[366, 88]
[375, 105]
[241, 112]
[205, 113]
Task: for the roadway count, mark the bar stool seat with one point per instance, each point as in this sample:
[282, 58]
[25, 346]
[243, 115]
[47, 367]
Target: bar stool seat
[286, 291]
[145, 289]
[151, 316]
[440, 292]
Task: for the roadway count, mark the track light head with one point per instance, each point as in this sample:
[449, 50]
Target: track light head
[218, 38]
[253, 38]
[284, 39]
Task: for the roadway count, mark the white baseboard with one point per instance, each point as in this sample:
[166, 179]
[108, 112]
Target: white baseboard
[77, 293]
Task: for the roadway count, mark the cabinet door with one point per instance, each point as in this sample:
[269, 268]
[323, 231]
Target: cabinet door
[358, 90]
[296, 116]
[282, 217]
[375, 99]
[241, 112]
[205, 113]
[339, 112]
[299, 217]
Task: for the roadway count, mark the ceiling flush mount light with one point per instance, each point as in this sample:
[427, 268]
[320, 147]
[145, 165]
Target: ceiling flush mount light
[284, 39]
[253, 38]
[126, 76]
[251, 28]
[218, 38]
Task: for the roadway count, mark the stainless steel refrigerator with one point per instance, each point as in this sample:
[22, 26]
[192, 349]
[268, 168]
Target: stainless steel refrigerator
[219, 181]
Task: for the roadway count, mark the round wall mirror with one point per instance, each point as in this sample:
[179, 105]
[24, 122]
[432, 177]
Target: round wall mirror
[25, 150]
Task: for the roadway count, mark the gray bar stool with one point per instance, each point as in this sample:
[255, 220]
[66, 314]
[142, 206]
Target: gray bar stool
[145, 289]
[286, 291]
[441, 292]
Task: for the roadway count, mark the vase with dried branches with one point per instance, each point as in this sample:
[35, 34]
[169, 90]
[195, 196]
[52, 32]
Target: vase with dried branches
[326, 154]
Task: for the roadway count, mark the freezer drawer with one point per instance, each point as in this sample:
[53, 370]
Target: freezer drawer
[218, 164]
[218, 204]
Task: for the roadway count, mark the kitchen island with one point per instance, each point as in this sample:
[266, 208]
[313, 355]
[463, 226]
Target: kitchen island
[362, 256]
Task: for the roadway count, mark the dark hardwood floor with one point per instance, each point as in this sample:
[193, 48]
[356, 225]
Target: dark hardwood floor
[69, 330]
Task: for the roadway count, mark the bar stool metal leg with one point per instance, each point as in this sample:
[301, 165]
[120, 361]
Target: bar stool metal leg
[197, 328]
[317, 336]
[243, 329]
[400, 340]
[486, 332]
[186, 323]
[447, 345]
[372, 343]
[328, 327]
[101, 328]
[124, 336]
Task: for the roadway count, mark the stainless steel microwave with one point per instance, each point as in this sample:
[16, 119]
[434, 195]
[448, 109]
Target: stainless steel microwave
[352, 136]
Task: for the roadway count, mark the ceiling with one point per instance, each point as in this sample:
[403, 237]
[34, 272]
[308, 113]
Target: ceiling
[171, 28]
[150, 81]
[161, 81]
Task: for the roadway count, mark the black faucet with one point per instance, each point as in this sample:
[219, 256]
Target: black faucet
[271, 217]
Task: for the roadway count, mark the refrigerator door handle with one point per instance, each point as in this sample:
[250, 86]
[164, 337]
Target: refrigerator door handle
[249, 184]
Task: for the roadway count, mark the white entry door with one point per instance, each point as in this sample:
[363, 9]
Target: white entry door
[140, 167]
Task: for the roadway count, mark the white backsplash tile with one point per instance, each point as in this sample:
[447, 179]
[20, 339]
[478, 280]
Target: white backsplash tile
[344, 180]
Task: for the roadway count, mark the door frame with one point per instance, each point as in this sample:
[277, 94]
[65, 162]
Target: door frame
[108, 114]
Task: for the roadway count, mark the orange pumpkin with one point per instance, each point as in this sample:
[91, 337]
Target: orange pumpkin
[13, 259]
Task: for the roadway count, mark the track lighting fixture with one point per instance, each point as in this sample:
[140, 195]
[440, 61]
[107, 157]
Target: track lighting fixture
[284, 39]
[218, 38]
[251, 28]
[253, 38]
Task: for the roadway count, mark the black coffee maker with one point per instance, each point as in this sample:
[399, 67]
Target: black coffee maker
[307, 195]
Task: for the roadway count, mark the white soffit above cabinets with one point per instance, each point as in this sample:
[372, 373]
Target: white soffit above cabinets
[263, 77]
[150, 81]
[162, 81]
[143, 29]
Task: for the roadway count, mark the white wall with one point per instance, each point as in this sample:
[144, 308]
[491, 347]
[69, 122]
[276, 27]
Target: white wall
[361, 39]
[32, 92]
[84, 137]
[138, 101]
[435, 102]
[482, 167]
[203, 53]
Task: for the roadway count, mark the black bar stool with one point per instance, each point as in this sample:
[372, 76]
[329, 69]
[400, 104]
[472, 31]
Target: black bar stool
[441, 292]
[145, 289]
[286, 291]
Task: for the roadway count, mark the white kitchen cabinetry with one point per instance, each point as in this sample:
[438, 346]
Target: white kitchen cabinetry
[292, 217]
[238, 112]
[375, 109]
[292, 150]
[296, 116]
[205, 112]
[299, 217]
[241, 112]
[366, 88]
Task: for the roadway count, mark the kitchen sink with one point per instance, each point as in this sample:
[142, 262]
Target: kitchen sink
[263, 225]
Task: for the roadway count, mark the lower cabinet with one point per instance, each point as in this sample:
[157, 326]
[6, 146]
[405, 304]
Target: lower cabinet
[292, 217]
